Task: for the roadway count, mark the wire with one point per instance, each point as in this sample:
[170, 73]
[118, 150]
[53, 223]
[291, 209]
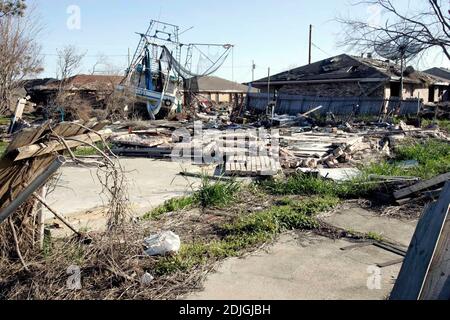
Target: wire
[317, 47]
[87, 56]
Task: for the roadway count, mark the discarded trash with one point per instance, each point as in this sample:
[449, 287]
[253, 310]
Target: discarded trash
[162, 244]
[146, 279]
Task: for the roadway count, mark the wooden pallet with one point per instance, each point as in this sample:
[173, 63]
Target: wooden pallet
[252, 166]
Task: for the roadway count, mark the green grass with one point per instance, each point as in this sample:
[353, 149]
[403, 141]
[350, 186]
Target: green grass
[216, 194]
[432, 155]
[210, 194]
[172, 205]
[3, 146]
[85, 151]
[5, 121]
[307, 185]
[442, 124]
[248, 231]
[374, 236]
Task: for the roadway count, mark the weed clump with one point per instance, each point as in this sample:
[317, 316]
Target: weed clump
[433, 157]
[249, 231]
[211, 194]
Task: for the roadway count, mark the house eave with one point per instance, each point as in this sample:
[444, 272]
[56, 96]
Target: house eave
[322, 81]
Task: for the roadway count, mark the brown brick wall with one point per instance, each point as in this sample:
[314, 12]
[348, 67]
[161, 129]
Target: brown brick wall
[341, 89]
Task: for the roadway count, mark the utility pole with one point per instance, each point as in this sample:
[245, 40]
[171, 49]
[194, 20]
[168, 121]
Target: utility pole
[268, 86]
[310, 43]
[253, 70]
[402, 81]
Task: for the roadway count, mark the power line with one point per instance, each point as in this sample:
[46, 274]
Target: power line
[317, 47]
[88, 56]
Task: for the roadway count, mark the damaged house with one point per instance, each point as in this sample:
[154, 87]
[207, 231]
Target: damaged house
[345, 81]
[77, 97]
[444, 74]
[217, 90]
[92, 89]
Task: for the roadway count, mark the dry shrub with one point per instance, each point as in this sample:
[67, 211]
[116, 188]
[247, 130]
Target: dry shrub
[26, 231]
[116, 102]
[112, 263]
[111, 267]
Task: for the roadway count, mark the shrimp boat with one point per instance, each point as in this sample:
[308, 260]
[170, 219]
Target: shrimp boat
[155, 74]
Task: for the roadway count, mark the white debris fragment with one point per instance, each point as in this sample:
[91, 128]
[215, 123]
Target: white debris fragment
[162, 244]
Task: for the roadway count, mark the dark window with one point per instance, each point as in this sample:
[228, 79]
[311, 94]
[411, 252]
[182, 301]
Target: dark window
[395, 89]
[431, 94]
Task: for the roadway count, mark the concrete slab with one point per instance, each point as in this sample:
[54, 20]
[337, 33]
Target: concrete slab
[307, 266]
[151, 182]
[358, 219]
[302, 266]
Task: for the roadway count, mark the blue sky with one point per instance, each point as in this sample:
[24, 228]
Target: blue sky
[274, 33]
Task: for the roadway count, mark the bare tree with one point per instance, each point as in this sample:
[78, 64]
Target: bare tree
[420, 30]
[65, 106]
[19, 54]
[12, 8]
[69, 62]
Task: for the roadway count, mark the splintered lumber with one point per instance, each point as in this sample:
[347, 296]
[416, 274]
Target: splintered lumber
[100, 125]
[422, 274]
[421, 186]
[27, 136]
[436, 286]
[310, 111]
[14, 175]
[67, 129]
[53, 146]
[18, 188]
[140, 141]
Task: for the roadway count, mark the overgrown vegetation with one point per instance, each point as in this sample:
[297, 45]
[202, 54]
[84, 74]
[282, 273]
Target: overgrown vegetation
[210, 194]
[433, 157]
[86, 151]
[172, 205]
[248, 231]
[442, 124]
[303, 184]
[216, 194]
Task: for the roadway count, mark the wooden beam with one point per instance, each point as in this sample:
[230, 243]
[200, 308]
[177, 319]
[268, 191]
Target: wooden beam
[422, 249]
[53, 146]
[27, 136]
[437, 283]
[57, 215]
[403, 193]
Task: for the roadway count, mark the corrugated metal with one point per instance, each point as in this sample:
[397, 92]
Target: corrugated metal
[295, 104]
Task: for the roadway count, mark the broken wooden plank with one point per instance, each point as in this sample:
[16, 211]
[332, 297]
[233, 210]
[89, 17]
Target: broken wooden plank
[67, 129]
[53, 146]
[27, 136]
[100, 125]
[436, 286]
[421, 186]
[422, 249]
